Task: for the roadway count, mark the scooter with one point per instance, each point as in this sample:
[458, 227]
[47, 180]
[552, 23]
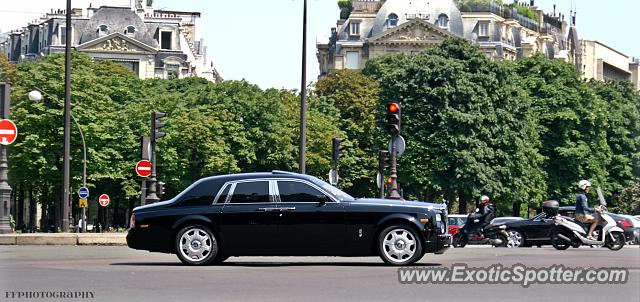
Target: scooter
[567, 232]
[492, 234]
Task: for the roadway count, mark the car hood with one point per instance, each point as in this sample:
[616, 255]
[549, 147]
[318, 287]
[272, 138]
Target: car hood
[401, 203]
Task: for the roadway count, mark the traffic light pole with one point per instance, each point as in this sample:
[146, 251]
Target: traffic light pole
[153, 197]
[394, 171]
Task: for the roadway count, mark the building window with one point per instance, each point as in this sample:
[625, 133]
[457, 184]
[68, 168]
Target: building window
[165, 39]
[130, 30]
[483, 28]
[62, 35]
[392, 20]
[103, 30]
[353, 60]
[173, 71]
[355, 28]
[443, 21]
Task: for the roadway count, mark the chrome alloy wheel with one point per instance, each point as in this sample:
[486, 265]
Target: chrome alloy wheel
[196, 244]
[515, 239]
[399, 245]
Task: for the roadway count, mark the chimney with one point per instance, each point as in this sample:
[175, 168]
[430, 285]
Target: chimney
[554, 10]
[76, 12]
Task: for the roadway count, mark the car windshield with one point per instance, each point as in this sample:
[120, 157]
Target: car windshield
[337, 193]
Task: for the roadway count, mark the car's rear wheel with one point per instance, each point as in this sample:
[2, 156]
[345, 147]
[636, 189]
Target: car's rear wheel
[399, 245]
[515, 239]
[196, 245]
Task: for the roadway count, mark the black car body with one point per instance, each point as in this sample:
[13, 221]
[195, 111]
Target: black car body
[285, 214]
[528, 232]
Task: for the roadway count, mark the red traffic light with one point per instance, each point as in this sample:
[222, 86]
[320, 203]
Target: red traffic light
[393, 107]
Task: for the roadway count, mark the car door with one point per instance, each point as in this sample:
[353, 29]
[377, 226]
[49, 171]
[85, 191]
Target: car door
[537, 229]
[311, 221]
[249, 219]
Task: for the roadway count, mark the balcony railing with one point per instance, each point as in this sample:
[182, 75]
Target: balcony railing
[497, 8]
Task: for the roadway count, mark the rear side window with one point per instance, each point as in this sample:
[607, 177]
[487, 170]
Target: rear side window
[201, 194]
[251, 192]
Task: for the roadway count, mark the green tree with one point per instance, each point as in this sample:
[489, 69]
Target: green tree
[467, 125]
[354, 98]
[571, 122]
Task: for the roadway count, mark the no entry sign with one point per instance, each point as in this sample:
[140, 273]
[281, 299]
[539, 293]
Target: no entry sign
[143, 168]
[104, 200]
[8, 132]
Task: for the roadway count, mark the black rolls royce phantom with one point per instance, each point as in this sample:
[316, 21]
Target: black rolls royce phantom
[285, 214]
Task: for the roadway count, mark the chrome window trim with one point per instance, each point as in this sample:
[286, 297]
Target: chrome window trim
[274, 194]
[224, 186]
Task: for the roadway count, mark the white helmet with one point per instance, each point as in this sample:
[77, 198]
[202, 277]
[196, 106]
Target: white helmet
[583, 184]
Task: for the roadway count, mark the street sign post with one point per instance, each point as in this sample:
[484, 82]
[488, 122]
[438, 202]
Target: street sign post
[83, 203]
[8, 132]
[104, 200]
[83, 192]
[143, 168]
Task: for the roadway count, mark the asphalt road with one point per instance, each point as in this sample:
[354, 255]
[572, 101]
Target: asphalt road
[122, 274]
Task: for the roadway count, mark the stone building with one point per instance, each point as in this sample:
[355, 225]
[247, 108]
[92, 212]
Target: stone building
[369, 28]
[151, 43]
[604, 63]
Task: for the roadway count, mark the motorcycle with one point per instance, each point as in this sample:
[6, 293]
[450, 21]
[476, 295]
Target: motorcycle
[567, 232]
[492, 234]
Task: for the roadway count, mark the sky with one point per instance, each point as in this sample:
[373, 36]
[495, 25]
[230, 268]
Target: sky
[261, 40]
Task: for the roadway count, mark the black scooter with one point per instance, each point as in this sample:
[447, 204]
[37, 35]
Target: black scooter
[493, 234]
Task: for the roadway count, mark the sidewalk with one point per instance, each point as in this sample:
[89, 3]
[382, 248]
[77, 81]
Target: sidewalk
[64, 239]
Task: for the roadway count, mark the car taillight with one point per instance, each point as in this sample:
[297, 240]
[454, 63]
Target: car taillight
[625, 224]
[132, 221]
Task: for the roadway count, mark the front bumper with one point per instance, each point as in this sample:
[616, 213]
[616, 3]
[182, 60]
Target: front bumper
[438, 243]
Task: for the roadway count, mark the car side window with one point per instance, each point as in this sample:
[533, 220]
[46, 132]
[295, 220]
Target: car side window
[251, 192]
[293, 191]
[202, 194]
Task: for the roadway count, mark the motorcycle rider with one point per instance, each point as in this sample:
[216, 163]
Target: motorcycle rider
[584, 213]
[484, 213]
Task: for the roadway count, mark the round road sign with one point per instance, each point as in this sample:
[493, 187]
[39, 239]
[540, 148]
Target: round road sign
[83, 192]
[143, 168]
[8, 132]
[104, 200]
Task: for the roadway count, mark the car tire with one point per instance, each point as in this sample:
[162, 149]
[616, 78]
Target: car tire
[515, 239]
[196, 245]
[399, 245]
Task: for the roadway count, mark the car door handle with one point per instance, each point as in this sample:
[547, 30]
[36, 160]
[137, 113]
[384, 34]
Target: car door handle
[268, 209]
[287, 209]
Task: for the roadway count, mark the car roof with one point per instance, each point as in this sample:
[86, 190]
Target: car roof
[272, 174]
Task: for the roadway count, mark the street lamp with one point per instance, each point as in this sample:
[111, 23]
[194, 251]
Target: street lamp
[36, 96]
[303, 96]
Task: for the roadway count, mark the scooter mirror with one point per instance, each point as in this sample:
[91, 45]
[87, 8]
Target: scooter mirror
[601, 197]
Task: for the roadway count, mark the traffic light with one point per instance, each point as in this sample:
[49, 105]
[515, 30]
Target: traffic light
[157, 124]
[160, 189]
[336, 149]
[394, 116]
[383, 160]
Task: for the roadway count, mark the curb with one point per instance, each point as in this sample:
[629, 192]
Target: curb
[64, 239]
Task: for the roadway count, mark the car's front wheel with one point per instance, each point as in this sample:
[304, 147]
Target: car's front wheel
[399, 245]
[515, 239]
[196, 245]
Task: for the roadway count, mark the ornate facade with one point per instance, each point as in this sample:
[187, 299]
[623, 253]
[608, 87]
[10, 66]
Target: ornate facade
[151, 43]
[369, 28]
